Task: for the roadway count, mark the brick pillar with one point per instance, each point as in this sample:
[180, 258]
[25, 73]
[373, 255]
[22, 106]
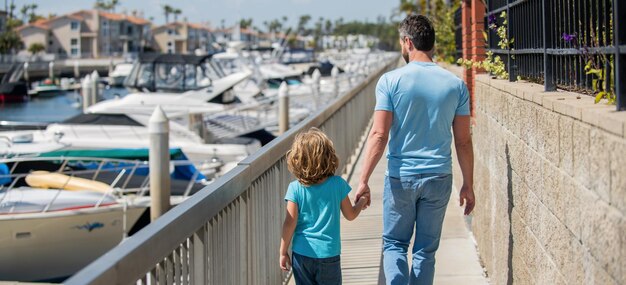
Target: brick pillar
[466, 7]
[472, 20]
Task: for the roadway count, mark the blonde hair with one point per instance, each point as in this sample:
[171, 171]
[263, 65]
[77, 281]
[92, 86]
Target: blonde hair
[312, 157]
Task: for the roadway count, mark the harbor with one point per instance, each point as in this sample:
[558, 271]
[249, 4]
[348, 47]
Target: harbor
[83, 157]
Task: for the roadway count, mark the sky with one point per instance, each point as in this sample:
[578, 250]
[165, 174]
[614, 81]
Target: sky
[230, 10]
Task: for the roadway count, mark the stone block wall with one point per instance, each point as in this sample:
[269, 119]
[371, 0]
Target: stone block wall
[550, 185]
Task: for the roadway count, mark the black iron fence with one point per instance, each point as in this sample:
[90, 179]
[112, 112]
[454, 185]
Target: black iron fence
[577, 45]
[458, 34]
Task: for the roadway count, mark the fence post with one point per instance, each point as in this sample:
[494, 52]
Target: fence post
[334, 73]
[51, 70]
[316, 77]
[619, 41]
[283, 108]
[76, 69]
[511, 63]
[95, 92]
[26, 75]
[86, 92]
[548, 74]
[159, 128]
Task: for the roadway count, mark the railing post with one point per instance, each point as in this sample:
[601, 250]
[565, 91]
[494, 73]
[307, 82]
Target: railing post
[159, 128]
[51, 70]
[512, 68]
[316, 78]
[619, 41]
[283, 108]
[86, 92]
[76, 69]
[26, 75]
[548, 75]
[95, 92]
[334, 73]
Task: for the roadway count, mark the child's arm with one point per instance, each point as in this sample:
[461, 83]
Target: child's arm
[349, 211]
[289, 226]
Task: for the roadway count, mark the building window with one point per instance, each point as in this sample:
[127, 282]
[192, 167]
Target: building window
[50, 43]
[129, 30]
[105, 28]
[74, 26]
[170, 47]
[170, 32]
[74, 47]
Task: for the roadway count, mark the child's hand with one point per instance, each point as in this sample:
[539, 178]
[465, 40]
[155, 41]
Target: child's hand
[285, 262]
[361, 202]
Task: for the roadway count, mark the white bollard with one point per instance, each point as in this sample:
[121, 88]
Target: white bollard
[51, 70]
[283, 108]
[86, 92]
[95, 92]
[76, 69]
[110, 66]
[158, 128]
[26, 75]
[317, 78]
[334, 73]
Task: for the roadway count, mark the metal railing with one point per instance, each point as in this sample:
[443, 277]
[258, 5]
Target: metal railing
[458, 33]
[555, 40]
[229, 232]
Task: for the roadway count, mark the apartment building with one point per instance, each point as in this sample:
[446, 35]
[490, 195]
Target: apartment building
[182, 37]
[88, 34]
[238, 34]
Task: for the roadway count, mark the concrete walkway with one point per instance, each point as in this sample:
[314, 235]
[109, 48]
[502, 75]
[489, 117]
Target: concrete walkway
[457, 259]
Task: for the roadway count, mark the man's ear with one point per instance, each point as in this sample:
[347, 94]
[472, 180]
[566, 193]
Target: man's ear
[408, 43]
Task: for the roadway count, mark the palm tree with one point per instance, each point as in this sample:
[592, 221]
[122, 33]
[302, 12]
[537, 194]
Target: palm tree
[113, 4]
[176, 12]
[167, 10]
[24, 10]
[100, 5]
[407, 7]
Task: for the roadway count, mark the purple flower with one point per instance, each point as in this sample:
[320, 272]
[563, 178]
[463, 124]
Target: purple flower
[491, 20]
[569, 37]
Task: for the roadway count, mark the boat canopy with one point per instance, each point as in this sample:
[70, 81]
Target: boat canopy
[172, 72]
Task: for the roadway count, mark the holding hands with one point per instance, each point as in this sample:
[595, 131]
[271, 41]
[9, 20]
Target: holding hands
[364, 192]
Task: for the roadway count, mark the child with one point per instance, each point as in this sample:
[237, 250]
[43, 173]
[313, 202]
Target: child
[313, 204]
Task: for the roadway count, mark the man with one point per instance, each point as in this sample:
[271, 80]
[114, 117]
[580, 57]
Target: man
[416, 105]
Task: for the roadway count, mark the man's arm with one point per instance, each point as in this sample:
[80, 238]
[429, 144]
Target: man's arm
[465, 153]
[376, 142]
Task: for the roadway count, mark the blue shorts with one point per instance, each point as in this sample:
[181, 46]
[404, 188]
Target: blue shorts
[309, 271]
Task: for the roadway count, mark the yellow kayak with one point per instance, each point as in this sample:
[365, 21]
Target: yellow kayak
[45, 180]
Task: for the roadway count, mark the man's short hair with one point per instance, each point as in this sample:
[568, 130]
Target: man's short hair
[419, 29]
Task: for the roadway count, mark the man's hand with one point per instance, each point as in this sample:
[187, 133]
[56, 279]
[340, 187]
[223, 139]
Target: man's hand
[364, 191]
[467, 197]
[285, 262]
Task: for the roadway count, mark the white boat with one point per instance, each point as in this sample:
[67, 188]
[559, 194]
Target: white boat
[188, 84]
[116, 132]
[49, 234]
[119, 74]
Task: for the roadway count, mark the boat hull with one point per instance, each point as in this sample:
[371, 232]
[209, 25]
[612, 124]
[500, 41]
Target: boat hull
[47, 246]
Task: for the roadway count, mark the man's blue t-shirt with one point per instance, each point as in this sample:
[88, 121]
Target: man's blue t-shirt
[424, 98]
[317, 231]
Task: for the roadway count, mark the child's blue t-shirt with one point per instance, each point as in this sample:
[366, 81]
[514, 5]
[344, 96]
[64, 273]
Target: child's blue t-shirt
[317, 231]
